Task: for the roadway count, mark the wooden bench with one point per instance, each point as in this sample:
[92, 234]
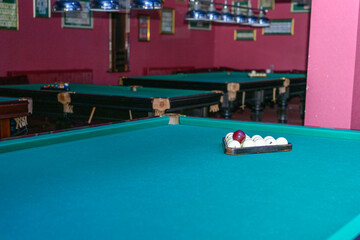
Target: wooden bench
[17, 80]
[49, 76]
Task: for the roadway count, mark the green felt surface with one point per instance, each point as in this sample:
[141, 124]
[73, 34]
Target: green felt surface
[143, 92]
[150, 180]
[5, 99]
[221, 77]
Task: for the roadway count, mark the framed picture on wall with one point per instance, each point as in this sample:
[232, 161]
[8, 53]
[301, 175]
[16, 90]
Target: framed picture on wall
[167, 23]
[42, 8]
[245, 35]
[266, 4]
[9, 14]
[280, 27]
[82, 19]
[144, 28]
[300, 7]
[196, 25]
[239, 4]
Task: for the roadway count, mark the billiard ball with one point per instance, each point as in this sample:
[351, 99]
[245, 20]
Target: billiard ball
[270, 141]
[255, 137]
[259, 142]
[229, 135]
[233, 144]
[267, 137]
[228, 140]
[239, 136]
[281, 141]
[248, 143]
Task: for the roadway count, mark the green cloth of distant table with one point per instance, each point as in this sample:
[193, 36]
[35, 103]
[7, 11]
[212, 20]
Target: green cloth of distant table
[221, 77]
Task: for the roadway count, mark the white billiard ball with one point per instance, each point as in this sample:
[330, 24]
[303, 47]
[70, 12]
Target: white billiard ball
[229, 135]
[248, 143]
[281, 141]
[270, 141]
[233, 144]
[267, 137]
[229, 139]
[255, 137]
[259, 142]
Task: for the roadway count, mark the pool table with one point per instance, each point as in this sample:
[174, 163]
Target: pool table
[238, 87]
[168, 178]
[85, 100]
[11, 108]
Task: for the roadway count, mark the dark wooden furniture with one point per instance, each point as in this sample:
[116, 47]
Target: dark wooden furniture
[63, 75]
[10, 108]
[82, 99]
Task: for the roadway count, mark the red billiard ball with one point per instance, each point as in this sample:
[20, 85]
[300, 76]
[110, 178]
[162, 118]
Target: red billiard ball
[239, 136]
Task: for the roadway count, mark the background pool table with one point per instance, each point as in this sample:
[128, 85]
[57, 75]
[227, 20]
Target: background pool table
[149, 179]
[239, 89]
[110, 100]
[11, 108]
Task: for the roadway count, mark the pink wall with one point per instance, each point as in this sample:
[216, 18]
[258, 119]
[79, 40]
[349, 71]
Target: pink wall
[285, 52]
[42, 44]
[332, 76]
[355, 115]
[184, 48]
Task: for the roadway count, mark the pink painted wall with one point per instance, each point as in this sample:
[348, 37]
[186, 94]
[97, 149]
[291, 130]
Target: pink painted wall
[333, 81]
[355, 115]
[42, 44]
[285, 52]
[184, 48]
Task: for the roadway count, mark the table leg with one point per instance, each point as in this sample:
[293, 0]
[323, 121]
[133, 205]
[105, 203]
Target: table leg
[258, 106]
[202, 112]
[63, 122]
[205, 111]
[282, 102]
[227, 107]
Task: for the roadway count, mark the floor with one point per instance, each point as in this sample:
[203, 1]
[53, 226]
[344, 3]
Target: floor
[270, 114]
